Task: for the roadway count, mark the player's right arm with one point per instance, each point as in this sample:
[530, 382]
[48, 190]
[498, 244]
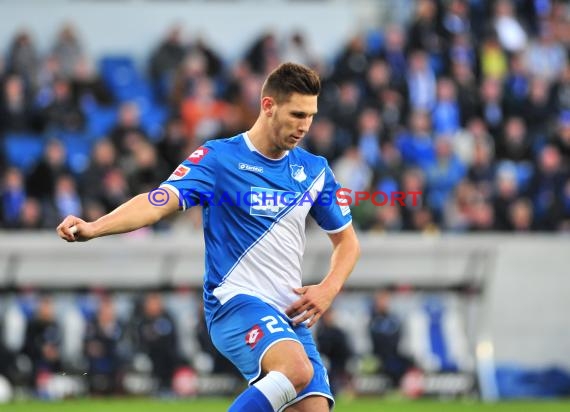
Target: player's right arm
[131, 215]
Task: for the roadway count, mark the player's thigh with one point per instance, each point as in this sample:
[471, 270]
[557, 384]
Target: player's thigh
[246, 330]
[289, 357]
[310, 404]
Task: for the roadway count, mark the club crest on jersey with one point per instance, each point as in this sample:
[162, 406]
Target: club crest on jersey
[198, 154]
[253, 336]
[179, 173]
[298, 173]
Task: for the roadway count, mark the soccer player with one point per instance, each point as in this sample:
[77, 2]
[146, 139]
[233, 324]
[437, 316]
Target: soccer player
[257, 189]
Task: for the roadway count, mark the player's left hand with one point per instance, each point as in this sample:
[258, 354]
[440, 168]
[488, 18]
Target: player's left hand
[314, 301]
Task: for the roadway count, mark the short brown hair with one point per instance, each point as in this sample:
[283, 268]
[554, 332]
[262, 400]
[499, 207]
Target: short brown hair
[289, 78]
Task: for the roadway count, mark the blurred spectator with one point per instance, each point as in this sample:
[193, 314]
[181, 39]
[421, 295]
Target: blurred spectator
[157, 337]
[517, 84]
[545, 56]
[561, 138]
[128, 130]
[103, 160]
[456, 19]
[424, 32]
[351, 171]
[546, 189]
[493, 61]
[346, 108]
[515, 143]
[16, 112]
[42, 342]
[193, 67]
[369, 137]
[214, 62]
[510, 31]
[334, 344]
[395, 56]
[506, 192]
[467, 90]
[31, 216]
[385, 330]
[537, 111]
[324, 140]
[491, 106]
[352, 62]
[521, 216]
[8, 366]
[416, 145]
[87, 87]
[66, 200]
[443, 174]
[42, 178]
[297, 50]
[421, 82]
[173, 145]
[482, 170]
[62, 114]
[13, 196]
[446, 116]
[560, 92]
[146, 169]
[22, 58]
[102, 348]
[164, 61]
[115, 190]
[263, 55]
[202, 112]
[67, 49]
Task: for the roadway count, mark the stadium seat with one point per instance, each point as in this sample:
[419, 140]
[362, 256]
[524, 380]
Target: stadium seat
[23, 150]
[100, 120]
[78, 148]
[153, 119]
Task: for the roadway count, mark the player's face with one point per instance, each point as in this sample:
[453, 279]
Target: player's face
[291, 120]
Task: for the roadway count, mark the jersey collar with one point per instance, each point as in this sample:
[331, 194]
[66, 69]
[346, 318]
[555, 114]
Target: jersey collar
[253, 149]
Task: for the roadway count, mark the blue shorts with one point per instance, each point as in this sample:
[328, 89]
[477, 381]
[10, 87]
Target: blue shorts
[245, 327]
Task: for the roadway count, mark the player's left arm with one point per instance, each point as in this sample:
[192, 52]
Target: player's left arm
[316, 299]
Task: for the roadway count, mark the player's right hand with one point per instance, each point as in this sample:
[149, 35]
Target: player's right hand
[74, 229]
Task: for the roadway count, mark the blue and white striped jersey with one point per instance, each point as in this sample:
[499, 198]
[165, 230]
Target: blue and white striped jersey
[254, 213]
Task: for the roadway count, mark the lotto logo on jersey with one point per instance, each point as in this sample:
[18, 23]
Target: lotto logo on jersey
[253, 336]
[198, 154]
[269, 202]
[179, 173]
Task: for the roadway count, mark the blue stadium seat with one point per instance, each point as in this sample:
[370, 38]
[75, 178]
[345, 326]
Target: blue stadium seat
[118, 71]
[78, 147]
[100, 120]
[153, 119]
[23, 150]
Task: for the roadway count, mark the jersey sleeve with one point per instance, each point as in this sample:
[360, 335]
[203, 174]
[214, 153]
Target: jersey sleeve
[331, 216]
[195, 178]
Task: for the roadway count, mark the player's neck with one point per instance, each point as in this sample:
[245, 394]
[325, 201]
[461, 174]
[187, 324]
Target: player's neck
[258, 136]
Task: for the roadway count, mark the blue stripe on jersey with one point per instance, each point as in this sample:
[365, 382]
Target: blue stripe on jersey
[281, 216]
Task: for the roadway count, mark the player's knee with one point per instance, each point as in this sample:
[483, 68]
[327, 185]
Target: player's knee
[301, 374]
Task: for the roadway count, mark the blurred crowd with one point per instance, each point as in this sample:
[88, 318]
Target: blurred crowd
[157, 342]
[467, 102]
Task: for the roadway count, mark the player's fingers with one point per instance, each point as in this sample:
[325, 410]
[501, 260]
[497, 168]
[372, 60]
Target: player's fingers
[308, 314]
[300, 291]
[65, 230]
[294, 307]
[314, 319]
[297, 308]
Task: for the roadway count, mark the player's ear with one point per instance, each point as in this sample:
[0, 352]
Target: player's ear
[267, 105]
